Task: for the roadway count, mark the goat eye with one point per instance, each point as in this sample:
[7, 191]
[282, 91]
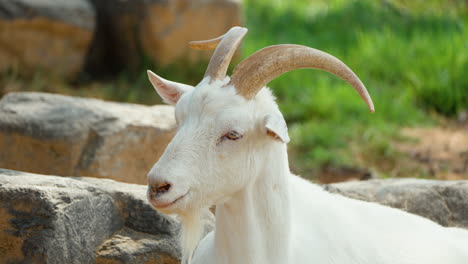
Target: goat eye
[232, 135]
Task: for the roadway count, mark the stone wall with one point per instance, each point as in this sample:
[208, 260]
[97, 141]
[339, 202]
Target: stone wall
[50, 219]
[48, 35]
[65, 37]
[72, 136]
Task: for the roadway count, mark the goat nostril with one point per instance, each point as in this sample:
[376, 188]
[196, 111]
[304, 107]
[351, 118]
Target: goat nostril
[161, 188]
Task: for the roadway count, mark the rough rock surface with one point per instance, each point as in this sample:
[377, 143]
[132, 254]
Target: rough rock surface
[106, 36]
[445, 202]
[62, 135]
[169, 26]
[48, 219]
[50, 35]
[156, 29]
[131, 247]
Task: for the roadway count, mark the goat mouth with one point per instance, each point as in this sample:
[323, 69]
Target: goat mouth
[160, 206]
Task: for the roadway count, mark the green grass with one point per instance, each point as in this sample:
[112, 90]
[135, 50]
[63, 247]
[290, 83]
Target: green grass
[412, 60]
[411, 54]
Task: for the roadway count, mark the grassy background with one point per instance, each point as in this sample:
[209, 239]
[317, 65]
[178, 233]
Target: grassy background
[412, 56]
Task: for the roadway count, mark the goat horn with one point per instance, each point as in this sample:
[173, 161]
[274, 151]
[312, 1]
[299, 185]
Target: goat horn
[253, 73]
[210, 44]
[225, 46]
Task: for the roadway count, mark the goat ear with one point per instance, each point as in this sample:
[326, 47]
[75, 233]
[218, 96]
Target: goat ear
[169, 91]
[276, 127]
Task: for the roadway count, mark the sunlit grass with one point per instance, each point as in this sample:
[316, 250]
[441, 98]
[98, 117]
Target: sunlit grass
[413, 62]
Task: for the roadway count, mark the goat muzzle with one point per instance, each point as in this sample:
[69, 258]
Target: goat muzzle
[158, 189]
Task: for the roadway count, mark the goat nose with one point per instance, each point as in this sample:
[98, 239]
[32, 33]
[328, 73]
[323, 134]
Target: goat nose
[159, 188]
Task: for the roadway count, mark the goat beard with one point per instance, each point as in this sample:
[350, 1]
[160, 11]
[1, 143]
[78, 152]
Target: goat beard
[196, 223]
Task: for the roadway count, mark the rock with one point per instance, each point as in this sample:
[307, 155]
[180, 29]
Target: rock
[170, 25]
[48, 219]
[62, 135]
[49, 35]
[128, 246]
[445, 202]
[157, 29]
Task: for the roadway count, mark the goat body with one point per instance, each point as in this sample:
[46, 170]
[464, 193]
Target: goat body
[301, 223]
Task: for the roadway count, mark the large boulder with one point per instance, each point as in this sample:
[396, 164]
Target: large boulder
[158, 30]
[62, 135]
[48, 219]
[445, 202]
[48, 35]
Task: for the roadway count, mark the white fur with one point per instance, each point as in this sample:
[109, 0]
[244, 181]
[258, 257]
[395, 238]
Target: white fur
[265, 214]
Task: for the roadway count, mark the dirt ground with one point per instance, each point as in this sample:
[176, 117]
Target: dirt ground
[427, 152]
[439, 152]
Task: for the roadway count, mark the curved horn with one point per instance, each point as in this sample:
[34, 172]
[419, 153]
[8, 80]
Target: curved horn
[253, 73]
[210, 44]
[225, 46]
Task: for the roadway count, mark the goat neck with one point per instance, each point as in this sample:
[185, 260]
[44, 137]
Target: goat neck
[254, 225]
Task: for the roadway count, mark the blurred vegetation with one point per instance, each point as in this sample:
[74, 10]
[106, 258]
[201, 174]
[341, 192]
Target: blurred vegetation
[412, 55]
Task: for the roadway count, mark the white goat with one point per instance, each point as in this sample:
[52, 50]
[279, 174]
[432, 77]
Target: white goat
[230, 151]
